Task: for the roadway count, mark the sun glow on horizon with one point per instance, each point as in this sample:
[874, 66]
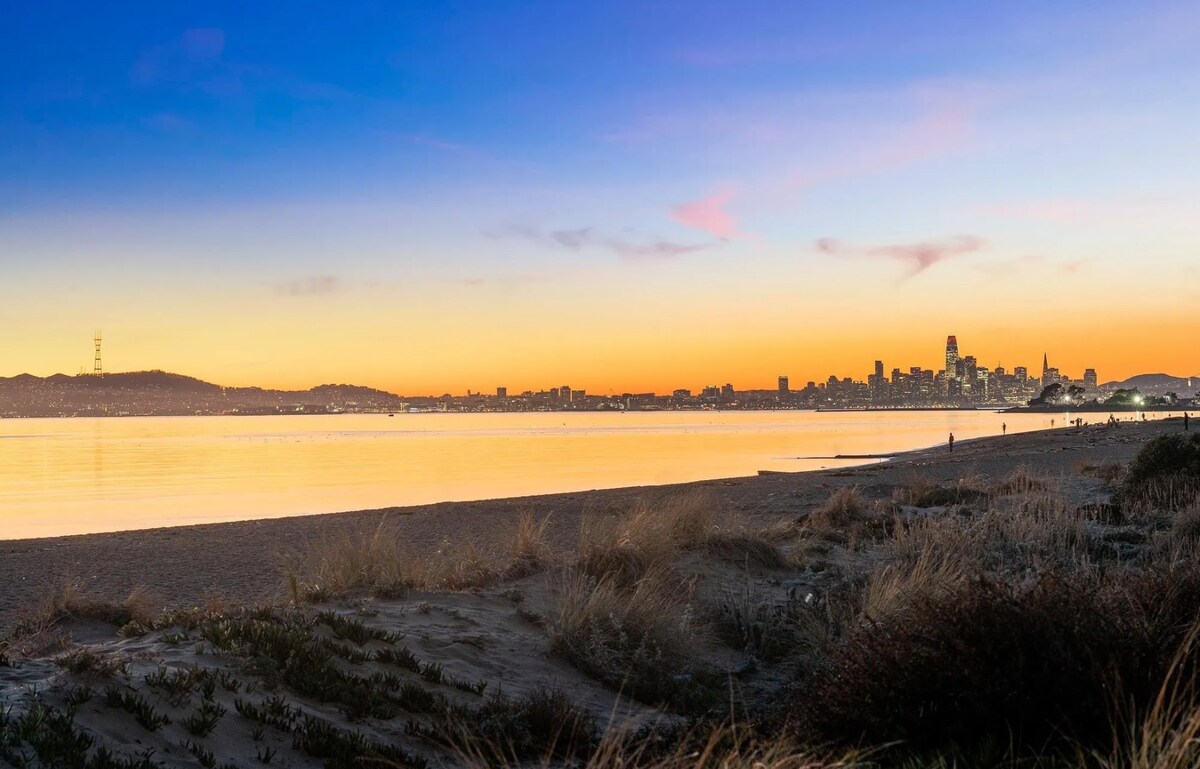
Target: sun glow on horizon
[399, 199]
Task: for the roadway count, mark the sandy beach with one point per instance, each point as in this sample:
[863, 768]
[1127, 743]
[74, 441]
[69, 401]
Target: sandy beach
[241, 563]
[410, 635]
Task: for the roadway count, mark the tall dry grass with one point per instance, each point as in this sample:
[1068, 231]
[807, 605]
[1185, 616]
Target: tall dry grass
[38, 629]
[624, 548]
[377, 561]
[894, 586]
[722, 747]
[655, 534]
[1168, 736]
[1022, 480]
[529, 551]
[844, 507]
[1015, 533]
[639, 638]
[1185, 525]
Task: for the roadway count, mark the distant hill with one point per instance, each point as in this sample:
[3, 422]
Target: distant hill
[1159, 384]
[147, 393]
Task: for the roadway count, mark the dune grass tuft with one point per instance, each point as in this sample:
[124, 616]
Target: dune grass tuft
[529, 551]
[637, 638]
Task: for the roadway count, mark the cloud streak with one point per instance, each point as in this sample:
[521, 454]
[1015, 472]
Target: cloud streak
[917, 256]
[313, 285]
[583, 238]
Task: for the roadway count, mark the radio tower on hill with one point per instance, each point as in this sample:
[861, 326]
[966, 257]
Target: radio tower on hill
[97, 370]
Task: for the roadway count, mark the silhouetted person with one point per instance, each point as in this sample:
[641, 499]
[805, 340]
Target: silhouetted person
[951, 443]
[1004, 428]
[1185, 421]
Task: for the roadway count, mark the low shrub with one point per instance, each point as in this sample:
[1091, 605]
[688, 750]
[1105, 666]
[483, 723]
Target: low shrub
[542, 724]
[1044, 667]
[1165, 474]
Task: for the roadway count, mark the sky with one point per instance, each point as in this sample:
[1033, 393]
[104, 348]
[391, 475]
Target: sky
[620, 196]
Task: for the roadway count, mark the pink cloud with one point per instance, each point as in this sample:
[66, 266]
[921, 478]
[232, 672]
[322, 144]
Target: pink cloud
[919, 256]
[1044, 210]
[937, 132]
[709, 215]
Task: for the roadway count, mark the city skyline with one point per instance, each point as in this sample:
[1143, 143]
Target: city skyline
[781, 383]
[397, 196]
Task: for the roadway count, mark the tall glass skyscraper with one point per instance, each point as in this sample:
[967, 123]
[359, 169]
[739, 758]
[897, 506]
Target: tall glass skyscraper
[951, 357]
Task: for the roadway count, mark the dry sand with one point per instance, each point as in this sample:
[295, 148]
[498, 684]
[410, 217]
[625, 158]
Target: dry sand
[241, 563]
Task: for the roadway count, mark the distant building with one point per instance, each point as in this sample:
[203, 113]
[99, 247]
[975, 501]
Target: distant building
[951, 357]
[564, 393]
[970, 374]
[1090, 381]
[501, 392]
[727, 391]
[784, 389]
[1021, 373]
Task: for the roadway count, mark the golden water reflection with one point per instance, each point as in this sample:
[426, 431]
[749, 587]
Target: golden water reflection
[74, 476]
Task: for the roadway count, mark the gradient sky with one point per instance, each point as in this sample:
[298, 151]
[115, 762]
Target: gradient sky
[621, 196]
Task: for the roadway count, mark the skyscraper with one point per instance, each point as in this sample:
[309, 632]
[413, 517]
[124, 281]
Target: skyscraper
[970, 369]
[783, 385]
[1090, 380]
[951, 359]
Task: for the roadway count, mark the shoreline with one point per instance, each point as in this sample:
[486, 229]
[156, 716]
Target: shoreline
[241, 562]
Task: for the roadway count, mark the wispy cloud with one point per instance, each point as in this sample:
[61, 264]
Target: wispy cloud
[1058, 211]
[181, 58]
[918, 256]
[195, 60]
[652, 252]
[709, 214]
[506, 281]
[580, 238]
[1005, 267]
[1075, 265]
[310, 286]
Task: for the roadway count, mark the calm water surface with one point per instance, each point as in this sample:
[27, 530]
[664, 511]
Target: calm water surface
[76, 476]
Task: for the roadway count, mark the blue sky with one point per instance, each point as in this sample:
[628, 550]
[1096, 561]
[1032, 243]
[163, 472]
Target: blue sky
[425, 166]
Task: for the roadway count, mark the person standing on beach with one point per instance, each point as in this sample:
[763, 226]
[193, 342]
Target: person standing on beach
[1004, 428]
[951, 443]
